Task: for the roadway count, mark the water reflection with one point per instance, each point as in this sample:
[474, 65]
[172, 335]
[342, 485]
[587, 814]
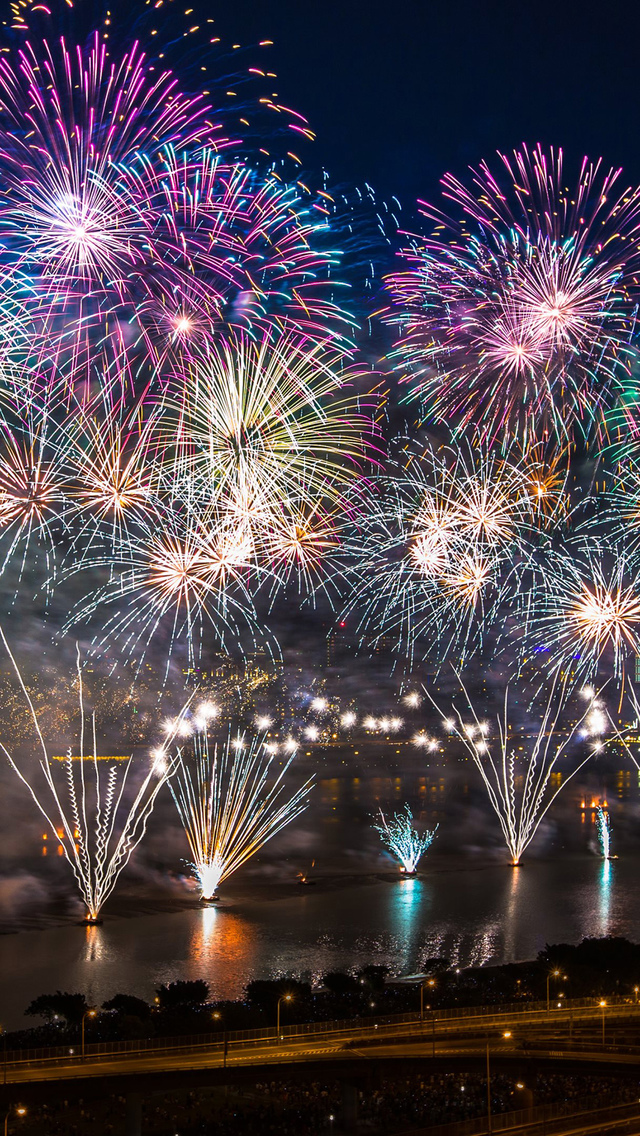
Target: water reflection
[511, 913]
[94, 948]
[408, 906]
[604, 897]
[223, 946]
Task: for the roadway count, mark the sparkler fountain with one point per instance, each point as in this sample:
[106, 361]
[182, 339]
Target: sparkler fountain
[403, 839]
[100, 829]
[603, 829]
[520, 789]
[227, 804]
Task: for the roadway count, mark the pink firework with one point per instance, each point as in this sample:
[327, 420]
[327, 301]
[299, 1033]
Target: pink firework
[517, 313]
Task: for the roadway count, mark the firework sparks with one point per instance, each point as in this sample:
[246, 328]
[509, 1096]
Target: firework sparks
[229, 804]
[516, 316]
[98, 831]
[403, 840]
[520, 789]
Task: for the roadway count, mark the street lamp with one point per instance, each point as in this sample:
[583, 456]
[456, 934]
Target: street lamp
[603, 1006]
[635, 991]
[428, 982]
[19, 1112]
[282, 998]
[217, 1017]
[87, 1014]
[552, 974]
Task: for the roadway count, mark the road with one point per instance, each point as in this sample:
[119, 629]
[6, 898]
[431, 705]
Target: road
[553, 1035]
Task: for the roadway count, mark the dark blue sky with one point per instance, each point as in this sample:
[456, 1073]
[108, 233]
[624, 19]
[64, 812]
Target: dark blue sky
[401, 91]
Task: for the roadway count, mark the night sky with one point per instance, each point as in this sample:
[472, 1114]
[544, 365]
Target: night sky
[400, 92]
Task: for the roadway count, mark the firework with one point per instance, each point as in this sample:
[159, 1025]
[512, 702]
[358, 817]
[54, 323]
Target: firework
[88, 812]
[603, 829]
[229, 248]
[231, 801]
[403, 839]
[32, 495]
[113, 467]
[269, 421]
[516, 314]
[520, 788]
[586, 611]
[443, 539]
[172, 579]
[65, 216]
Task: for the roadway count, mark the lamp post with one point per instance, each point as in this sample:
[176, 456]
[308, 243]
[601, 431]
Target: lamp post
[552, 974]
[19, 1112]
[603, 1006]
[635, 991]
[282, 998]
[217, 1017]
[428, 982]
[489, 1129]
[87, 1014]
[506, 1035]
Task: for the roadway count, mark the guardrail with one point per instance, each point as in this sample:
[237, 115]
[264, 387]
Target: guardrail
[541, 1117]
[353, 1027]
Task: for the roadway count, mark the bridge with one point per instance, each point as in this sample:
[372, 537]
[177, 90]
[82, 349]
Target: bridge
[585, 1034]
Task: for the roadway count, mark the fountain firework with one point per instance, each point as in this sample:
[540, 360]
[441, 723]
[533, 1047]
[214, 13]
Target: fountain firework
[520, 790]
[230, 802]
[603, 829]
[403, 839]
[97, 828]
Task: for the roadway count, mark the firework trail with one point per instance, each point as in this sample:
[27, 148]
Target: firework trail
[516, 314]
[100, 831]
[603, 829]
[228, 804]
[403, 840]
[520, 789]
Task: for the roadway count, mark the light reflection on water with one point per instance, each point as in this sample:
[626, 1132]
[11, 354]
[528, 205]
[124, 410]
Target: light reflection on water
[471, 916]
[464, 906]
[604, 898]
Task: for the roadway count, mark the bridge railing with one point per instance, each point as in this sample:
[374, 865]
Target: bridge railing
[432, 1020]
[542, 1117]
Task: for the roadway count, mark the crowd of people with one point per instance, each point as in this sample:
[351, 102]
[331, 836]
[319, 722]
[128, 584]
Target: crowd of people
[281, 1108]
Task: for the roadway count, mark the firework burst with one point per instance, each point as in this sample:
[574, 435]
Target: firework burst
[438, 546]
[229, 247]
[585, 612]
[517, 314]
[65, 215]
